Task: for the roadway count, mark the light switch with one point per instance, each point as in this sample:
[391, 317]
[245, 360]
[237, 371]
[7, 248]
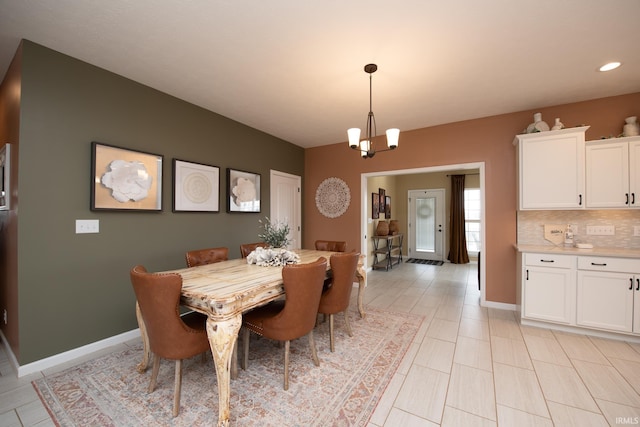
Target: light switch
[87, 226]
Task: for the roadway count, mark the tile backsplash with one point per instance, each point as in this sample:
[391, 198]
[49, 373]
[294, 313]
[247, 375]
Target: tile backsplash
[531, 226]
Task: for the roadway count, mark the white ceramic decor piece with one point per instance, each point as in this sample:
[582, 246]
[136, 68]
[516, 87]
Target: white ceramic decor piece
[538, 125]
[558, 125]
[631, 127]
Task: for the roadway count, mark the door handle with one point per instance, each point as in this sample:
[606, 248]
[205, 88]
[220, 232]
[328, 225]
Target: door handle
[627, 197]
[638, 287]
[631, 284]
[580, 200]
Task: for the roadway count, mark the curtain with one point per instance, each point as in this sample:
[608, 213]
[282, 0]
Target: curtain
[458, 242]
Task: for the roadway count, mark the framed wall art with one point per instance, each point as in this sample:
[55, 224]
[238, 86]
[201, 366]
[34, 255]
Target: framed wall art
[124, 179]
[5, 177]
[381, 193]
[387, 207]
[196, 187]
[375, 206]
[243, 191]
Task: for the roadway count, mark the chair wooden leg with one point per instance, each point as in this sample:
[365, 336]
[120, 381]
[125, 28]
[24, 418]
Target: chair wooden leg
[245, 342]
[347, 323]
[154, 372]
[286, 364]
[314, 353]
[331, 333]
[177, 388]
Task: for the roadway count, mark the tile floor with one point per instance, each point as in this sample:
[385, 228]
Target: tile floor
[468, 365]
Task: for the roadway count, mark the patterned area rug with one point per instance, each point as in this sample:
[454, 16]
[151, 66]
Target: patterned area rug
[424, 261]
[343, 391]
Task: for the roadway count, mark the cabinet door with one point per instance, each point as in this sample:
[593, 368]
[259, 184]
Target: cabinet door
[634, 173]
[605, 300]
[607, 175]
[549, 294]
[551, 170]
[636, 304]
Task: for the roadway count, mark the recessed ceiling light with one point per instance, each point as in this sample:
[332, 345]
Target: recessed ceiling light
[610, 66]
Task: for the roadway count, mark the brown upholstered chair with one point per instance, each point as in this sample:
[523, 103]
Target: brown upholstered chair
[336, 298]
[331, 245]
[171, 336]
[206, 256]
[293, 317]
[247, 248]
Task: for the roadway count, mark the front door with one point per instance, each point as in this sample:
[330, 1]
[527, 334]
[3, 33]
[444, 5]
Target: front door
[426, 224]
[286, 201]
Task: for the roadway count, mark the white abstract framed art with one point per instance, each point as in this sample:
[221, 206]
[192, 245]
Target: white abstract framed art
[196, 187]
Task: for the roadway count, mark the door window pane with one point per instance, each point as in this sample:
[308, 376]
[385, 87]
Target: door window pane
[425, 224]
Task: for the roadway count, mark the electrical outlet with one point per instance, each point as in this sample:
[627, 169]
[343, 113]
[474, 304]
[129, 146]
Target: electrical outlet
[4, 316]
[601, 230]
[87, 226]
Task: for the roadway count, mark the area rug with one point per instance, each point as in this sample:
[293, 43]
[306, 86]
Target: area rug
[343, 391]
[424, 261]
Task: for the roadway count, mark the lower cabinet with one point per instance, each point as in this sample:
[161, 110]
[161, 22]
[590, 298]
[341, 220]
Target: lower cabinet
[600, 293]
[608, 294]
[549, 288]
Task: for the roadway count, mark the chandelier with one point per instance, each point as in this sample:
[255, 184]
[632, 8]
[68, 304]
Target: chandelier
[367, 146]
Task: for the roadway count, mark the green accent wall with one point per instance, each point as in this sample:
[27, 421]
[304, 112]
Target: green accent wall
[74, 289]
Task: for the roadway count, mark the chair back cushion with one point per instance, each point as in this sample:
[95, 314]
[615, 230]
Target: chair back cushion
[302, 288]
[247, 248]
[206, 256]
[343, 271]
[158, 296]
[331, 245]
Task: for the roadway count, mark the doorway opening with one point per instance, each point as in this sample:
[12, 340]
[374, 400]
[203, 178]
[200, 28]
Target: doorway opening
[366, 223]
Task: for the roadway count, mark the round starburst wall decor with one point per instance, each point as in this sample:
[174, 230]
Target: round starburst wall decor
[333, 197]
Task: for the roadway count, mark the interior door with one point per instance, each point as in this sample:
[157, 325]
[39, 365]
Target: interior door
[286, 204]
[426, 224]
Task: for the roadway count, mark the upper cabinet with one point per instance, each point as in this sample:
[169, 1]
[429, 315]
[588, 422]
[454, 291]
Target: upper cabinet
[613, 173]
[551, 169]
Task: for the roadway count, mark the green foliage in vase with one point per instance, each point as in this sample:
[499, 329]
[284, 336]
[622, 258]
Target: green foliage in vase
[274, 234]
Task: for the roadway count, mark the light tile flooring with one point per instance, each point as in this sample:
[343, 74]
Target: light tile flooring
[468, 365]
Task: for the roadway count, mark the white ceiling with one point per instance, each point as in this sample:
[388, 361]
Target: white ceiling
[294, 68]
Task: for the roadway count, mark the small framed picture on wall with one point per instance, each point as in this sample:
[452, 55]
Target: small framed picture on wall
[375, 205]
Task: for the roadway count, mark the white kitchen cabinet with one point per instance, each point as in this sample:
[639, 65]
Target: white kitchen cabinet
[608, 292]
[612, 171]
[549, 287]
[551, 169]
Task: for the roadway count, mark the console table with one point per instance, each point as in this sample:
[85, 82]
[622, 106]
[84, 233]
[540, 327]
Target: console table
[388, 255]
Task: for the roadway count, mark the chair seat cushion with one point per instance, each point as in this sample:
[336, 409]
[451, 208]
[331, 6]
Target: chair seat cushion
[254, 319]
[195, 320]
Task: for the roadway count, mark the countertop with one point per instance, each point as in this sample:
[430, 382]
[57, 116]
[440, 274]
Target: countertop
[550, 249]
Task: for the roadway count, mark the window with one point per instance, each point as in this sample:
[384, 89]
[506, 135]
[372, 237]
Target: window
[472, 220]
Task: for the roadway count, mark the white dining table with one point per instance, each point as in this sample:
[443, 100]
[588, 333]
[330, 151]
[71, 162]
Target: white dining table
[223, 291]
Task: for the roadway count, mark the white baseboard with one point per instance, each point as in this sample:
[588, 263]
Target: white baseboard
[498, 305]
[67, 356]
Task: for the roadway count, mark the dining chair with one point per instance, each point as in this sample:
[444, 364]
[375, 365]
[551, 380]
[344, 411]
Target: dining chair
[171, 336]
[206, 256]
[293, 317]
[335, 299]
[247, 248]
[331, 245]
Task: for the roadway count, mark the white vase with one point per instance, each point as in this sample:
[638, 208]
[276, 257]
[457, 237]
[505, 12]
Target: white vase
[558, 125]
[631, 127]
[538, 125]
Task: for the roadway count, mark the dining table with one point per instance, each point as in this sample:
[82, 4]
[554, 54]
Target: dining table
[223, 291]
